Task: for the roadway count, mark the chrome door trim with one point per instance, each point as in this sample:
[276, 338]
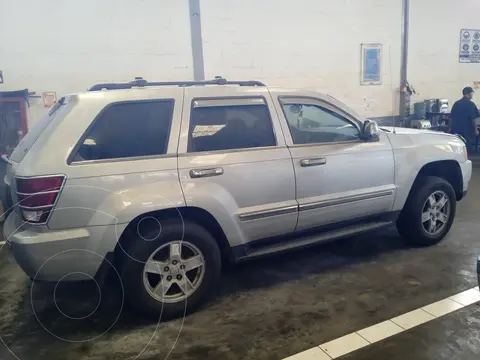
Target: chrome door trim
[260, 214]
[326, 143]
[122, 159]
[231, 151]
[228, 101]
[344, 200]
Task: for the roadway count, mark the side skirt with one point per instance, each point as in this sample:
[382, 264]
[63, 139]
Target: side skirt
[263, 247]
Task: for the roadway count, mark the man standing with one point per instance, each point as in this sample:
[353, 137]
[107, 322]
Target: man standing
[464, 114]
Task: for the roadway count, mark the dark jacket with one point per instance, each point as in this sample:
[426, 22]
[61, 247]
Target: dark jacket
[464, 111]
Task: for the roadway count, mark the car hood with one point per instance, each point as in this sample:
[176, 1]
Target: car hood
[408, 131]
[422, 136]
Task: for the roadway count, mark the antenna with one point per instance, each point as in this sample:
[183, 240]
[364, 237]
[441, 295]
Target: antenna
[392, 89]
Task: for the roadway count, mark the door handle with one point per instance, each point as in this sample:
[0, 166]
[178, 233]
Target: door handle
[198, 173]
[313, 162]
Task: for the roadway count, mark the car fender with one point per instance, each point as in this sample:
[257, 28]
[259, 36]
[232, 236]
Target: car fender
[115, 199]
[413, 151]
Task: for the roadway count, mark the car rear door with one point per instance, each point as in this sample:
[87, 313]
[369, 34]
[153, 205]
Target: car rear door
[233, 162]
[339, 177]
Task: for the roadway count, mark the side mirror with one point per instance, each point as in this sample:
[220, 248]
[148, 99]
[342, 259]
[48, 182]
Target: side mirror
[370, 131]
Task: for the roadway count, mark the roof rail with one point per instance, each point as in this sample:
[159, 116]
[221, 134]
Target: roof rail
[140, 82]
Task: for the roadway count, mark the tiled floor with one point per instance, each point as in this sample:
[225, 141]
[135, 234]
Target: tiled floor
[467, 297]
[363, 338]
[344, 345]
[442, 307]
[453, 336]
[412, 319]
[380, 331]
[312, 354]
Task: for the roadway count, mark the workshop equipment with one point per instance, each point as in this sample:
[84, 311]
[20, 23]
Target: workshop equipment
[421, 124]
[419, 109]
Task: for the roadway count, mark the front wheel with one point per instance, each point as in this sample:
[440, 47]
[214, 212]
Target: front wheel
[429, 212]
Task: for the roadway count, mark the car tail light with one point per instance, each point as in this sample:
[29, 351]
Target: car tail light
[37, 197]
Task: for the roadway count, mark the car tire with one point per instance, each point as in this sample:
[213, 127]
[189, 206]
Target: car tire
[141, 287]
[426, 198]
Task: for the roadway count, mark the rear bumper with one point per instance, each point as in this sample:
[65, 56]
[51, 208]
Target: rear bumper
[67, 255]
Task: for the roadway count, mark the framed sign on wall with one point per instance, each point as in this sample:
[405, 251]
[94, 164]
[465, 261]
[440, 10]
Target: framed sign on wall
[49, 99]
[371, 67]
[469, 46]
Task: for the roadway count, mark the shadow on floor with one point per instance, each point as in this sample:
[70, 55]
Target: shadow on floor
[54, 307]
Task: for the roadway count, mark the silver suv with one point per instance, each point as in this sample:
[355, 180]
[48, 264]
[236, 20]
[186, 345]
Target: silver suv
[167, 181]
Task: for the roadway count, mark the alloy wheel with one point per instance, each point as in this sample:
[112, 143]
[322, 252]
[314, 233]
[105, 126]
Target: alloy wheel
[436, 213]
[174, 271]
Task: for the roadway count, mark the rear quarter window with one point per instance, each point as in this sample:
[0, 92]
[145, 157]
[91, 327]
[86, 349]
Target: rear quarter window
[127, 130]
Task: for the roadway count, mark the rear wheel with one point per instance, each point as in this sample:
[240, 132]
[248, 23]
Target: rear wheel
[429, 212]
[173, 274]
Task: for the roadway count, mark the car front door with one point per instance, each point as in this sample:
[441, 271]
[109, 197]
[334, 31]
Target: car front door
[234, 163]
[339, 176]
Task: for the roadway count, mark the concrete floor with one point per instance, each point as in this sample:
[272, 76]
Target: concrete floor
[266, 309]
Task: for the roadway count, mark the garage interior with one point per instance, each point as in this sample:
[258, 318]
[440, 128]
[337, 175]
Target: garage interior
[296, 306]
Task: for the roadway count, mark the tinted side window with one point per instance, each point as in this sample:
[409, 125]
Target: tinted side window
[230, 127]
[128, 130]
[313, 124]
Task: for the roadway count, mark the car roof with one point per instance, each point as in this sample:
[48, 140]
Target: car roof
[243, 86]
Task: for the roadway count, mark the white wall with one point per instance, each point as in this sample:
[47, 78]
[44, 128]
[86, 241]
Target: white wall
[306, 43]
[67, 46]
[433, 66]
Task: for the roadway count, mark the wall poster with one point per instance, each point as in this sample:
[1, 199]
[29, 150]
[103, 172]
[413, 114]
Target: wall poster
[469, 46]
[49, 99]
[371, 64]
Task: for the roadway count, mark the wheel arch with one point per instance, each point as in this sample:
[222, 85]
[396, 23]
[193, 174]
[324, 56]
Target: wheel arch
[181, 214]
[411, 222]
[449, 170]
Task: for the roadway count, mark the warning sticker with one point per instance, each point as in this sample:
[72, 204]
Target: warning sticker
[469, 46]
